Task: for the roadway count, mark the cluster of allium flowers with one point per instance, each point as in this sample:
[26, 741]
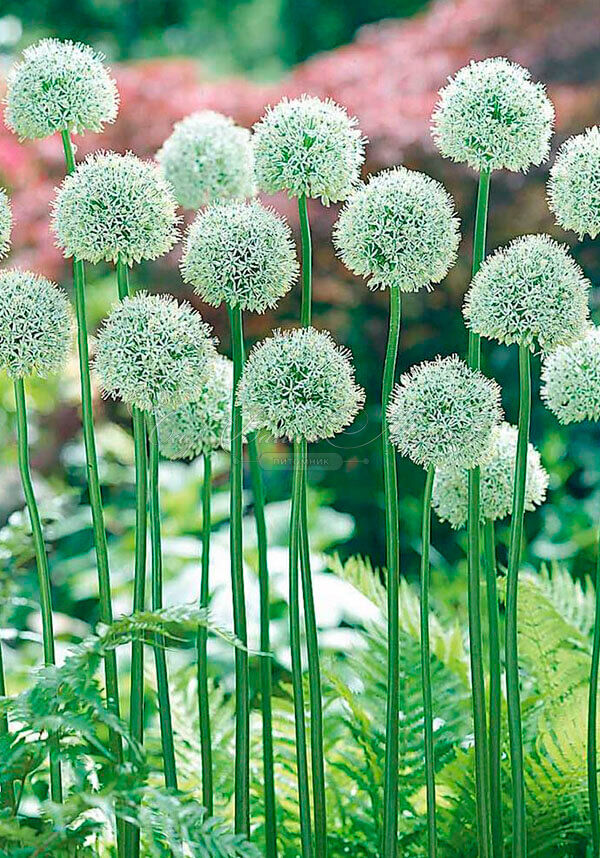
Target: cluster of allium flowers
[451, 484]
[206, 158]
[5, 223]
[59, 86]
[153, 352]
[399, 230]
[531, 291]
[300, 384]
[203, 424]
[240, 253]
[574, 184]
[35, 325]
[308, 147]
[442, 412]
[492, 116]
[115, 206]
[571, 380]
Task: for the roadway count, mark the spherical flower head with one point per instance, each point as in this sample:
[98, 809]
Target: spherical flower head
[442, 412]
[153, 352]
[207, 158]
[399, 230]
[115, 206]
[574, 184]
[308, 147]
[59, 86]
[451, 484]
[36, 325]
[492, 116]
[300, 384]
[240, 253]
[531, 291]
[571, 379]
[5, 223]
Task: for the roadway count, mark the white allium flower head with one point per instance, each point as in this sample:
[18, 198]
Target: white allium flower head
[451, 484]
[300, 384]
[207, 158]
[571, 379]
[115, 205]
[532, 291]
[574, 184]
[241, 253]
[442, 412]
[36, 325]
[492, 116]
[153, 352]
[5, 223]
[59, 86]
[399, 230]
[202, 424]
[308, 147]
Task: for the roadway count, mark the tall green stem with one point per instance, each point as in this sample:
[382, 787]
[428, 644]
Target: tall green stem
[426, 666]
[495, 743]
[202, 642]
[306, 244]
[7, 794]
[390, 794]
[43, 570]
[519, 849]
[592, 751]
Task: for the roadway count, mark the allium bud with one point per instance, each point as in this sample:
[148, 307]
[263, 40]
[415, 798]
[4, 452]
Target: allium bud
[492, 116]
[442, 413]
[207, 158]
[240, 253]
[59, 86]
[308, 147]
[153, 352]
[5, 223]
[115, 206]
[531, 291]
[399, 230]
[574, 184]
[300, 384]
[35, 325]
[451, 484]
[571, 379]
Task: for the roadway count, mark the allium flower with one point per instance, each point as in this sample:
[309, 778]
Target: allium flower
[574, 184]
[308, 147]
[115, 205]
[203, 424]
[571, 379]
[530, 291]
[442, 412]
[5, 223]
[492, 116]
[399, 230]
[153, 352]
[451, 484]
[59, 86]
[300, 384]
[207, 158]
[241, 253]
[36, 325]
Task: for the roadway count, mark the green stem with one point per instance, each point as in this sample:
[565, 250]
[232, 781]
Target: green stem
[426, 666]
[7, 793]
[298, 466]
[306, 311]
[495, 741]
[43, 570]
[592, 751]
[202, 642]
[512, 661]
[390, 794]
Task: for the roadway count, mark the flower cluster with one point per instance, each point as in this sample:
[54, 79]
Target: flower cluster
[492, 116]
[240, 253]
[35, 325]
[115, 206]
[308, 147]
[300, 384]
[5, 223]
[153, 352]
[442, 412]
[399, 230]
[530, 292]
[574, 184]
[59, 86]
[207, 158]
[571, 380]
